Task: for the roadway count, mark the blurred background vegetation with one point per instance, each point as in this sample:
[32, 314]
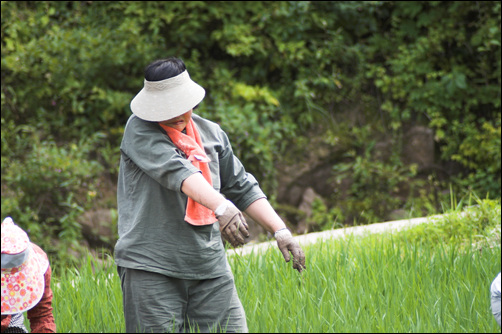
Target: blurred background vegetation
[326, 96]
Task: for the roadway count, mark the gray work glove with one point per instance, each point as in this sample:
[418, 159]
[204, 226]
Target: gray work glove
[287, 244]
[233, 225]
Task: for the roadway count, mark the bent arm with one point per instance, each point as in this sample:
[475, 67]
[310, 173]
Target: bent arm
[197, 188]
[233, 226]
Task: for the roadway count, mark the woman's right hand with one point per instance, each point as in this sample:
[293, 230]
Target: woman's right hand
[233, 226]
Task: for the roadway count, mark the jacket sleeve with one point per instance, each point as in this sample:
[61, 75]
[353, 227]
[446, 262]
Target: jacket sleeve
[151, 150]
[41, 317]
[237, 185]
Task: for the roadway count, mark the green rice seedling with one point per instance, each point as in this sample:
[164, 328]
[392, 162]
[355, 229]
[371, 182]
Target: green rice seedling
[88, 299]
[391, 282]
[375, 283]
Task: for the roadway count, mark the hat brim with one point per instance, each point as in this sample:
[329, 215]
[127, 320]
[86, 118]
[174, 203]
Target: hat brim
[24, 286]
[163, 100]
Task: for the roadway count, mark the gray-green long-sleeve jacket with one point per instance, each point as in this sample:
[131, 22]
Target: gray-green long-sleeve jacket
[153, 234]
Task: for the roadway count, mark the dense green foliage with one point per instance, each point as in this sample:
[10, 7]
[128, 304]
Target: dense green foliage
[275, 72]
[380, 283]
[475, 223]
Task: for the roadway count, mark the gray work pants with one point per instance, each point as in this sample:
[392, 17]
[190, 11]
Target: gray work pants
[154, 303]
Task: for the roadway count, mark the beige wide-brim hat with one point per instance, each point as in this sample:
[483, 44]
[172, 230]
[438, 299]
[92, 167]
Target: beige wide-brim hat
[162, 100]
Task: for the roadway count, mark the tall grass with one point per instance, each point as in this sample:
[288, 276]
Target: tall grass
[88, 299]
[371, 284]
[393, 282]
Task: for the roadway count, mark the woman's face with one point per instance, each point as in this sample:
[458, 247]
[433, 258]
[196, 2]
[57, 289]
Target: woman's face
[179, 123]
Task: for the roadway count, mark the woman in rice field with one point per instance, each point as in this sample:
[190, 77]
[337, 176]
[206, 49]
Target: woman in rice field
[180, 190]
[26, 278]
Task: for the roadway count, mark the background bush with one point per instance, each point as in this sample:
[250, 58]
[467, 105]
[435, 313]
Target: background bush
[275, 73]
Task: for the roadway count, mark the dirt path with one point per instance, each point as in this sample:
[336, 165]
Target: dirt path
[333, 234]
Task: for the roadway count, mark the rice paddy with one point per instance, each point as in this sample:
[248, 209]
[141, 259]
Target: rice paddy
[386, 283]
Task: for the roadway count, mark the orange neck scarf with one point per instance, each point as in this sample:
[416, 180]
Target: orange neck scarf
[191, 144]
